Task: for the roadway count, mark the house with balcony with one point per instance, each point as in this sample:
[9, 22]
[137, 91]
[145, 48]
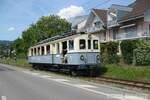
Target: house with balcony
[129, 22]
[96, 23]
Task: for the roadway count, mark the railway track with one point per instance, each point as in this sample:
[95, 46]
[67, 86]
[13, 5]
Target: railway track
[136, 84]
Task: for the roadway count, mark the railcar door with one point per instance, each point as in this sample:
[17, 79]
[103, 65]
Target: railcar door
[64, 52]
[53, 47]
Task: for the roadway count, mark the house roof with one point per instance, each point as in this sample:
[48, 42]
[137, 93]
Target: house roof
[139, 7]
[78, 19]
[102, 14]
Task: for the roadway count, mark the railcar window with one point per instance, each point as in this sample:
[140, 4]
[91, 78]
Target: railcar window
[71, 44]
[31, 52]
[82, 44]
[34, 51]
[38, 50]
[48, 49]
[42, 50]
[58, 48]
[95, 44]
[89, 44]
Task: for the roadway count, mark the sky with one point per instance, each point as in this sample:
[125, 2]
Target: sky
[17, 15]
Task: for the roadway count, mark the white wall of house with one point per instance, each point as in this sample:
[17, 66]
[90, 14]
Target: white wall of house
[80, 26]
[95, 25]
[102, 36]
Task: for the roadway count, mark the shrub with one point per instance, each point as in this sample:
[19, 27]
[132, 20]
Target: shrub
[127, 48]
[142, 56]
[144, 43]
[132, 50]
[109, 52]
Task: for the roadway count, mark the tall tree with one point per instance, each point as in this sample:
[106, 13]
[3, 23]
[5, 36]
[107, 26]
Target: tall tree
[45, 27]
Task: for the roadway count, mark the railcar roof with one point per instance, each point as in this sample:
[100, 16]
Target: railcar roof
[57, 37]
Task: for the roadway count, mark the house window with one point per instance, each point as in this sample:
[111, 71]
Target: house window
[71, 44]
[95, 44]
[48, 49]
[104, 36]
[97, 24]
[115, 34]
[82, 44]
[89, 44]
[131, 32]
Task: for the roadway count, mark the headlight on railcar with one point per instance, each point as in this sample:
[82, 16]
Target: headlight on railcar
[82, 58]
[98, 57]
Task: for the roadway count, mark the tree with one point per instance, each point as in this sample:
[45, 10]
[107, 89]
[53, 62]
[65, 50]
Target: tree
[18, 47]
[45, 27]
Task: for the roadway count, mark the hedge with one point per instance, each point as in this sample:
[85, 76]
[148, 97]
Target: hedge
[127, 48]
[142, 56]
[109, 52]
[133, 51]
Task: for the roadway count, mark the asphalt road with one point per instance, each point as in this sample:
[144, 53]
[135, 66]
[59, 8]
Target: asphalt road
[25, 85]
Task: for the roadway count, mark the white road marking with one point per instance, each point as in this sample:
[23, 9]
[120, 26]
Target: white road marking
[46, 76]
[3, 98]
[27, 72]
[127, 97]
[60, 80]
[35, 73]
[32, 73]
[85, 86]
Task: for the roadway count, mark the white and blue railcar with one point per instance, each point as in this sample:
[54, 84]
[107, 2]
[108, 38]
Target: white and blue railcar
[71, 51]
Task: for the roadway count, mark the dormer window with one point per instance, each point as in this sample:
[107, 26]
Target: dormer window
[97, 24]
[112, 15]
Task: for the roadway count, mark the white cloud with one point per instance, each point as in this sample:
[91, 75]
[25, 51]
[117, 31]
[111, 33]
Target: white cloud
[71, 11]
[11, 29]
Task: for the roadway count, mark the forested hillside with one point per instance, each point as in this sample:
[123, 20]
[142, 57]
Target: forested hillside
[5, 42]
[5, 47]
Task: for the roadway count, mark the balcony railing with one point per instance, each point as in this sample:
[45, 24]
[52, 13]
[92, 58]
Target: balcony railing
[126, 36]
[112, 23]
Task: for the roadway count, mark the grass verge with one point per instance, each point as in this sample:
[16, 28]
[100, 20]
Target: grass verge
[19, 62]
[127, 72]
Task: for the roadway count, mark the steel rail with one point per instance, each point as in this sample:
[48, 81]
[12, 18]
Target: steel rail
[137, 84]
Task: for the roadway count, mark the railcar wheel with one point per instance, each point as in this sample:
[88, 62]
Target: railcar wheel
[34, 67]
[73, 73]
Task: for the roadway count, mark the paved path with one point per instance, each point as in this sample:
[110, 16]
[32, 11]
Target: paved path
[16, 84]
